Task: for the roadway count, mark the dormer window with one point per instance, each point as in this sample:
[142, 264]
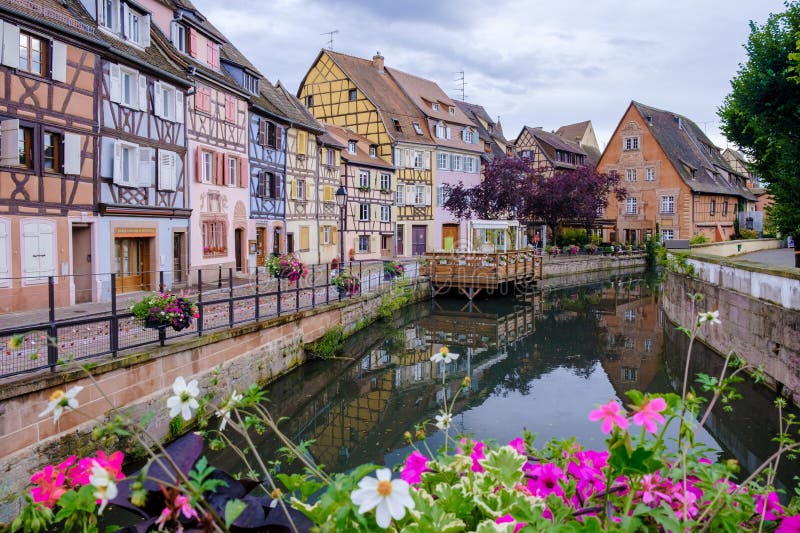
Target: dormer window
[397, 125]
[373, 150]
[250, 83]
[442, 131]
[435, 106]
[417, 128]
[351, 147]
[125, 21]
[109, 14]
[468, 136]
[452, 110]
[178, 36]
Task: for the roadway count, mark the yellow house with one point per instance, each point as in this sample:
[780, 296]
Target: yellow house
[361, 94]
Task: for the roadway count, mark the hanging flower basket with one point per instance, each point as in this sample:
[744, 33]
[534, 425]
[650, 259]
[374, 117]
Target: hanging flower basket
[346, 283]
[160, 310]
[286, 266]
[392, 269]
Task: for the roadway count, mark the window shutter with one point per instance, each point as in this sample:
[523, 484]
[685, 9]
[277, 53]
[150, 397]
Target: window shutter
[309, 190]
[179, 106]
[174, 32]
[158, 99]
[427, 195]
[59, 62]
[142, 92]
[10, 45]
[262, 132]
[243, 177]
[400, 194]
[198, 165]
[464, 135]
[290, 188]
[4, 250]
[279, 137]
[145, 31]
[124, 22]
[334, 235]
[39, 242]
[114, 82]
[72, 154]
[321, 235]
[426, 160]
[336, 159]
[447, 133]
[408, 158]
[476, 138]
[144, 174]
[9, 143]
[192, 42]
[117, 174]
[167, 175]
[219, 169]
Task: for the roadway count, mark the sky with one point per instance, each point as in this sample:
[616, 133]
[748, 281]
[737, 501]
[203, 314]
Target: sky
[528, 62]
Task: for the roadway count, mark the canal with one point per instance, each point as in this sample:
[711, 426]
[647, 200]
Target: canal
[540, 363]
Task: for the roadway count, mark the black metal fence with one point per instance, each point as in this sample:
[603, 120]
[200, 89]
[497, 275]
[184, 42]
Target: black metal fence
[230, 299]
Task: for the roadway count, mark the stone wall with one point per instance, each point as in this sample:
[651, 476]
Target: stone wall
[607, 264]
[731, 248]
[141, 382]
[762, 332]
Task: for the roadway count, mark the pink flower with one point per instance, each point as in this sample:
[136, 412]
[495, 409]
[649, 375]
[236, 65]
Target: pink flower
[684, 504]
[163, 518]
[476, 454]
[508, 518]
[610, 416]
[654, 490]
[49, 486]
[544, 479]
[519, 445]
[416, 464]
[789, 524]
[774, 509]
[648, 414]
[184, 505]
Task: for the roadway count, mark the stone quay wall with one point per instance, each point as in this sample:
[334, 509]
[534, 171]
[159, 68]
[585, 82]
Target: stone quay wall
[140, 382]
[573, 271]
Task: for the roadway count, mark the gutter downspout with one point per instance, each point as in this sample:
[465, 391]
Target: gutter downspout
[316, 202]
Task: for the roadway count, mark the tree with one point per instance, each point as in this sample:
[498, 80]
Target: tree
[762, 113]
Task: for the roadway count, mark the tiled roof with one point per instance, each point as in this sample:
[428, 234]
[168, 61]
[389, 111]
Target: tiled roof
[233, 55]
[423, 93]
[361, 157]
[477, 113]
[573, 132]
[555, 141]
[294, 110]
[196, 18]
[685, 145]
[54, 14]
[386, 95]
[267, 100]
[326, 139]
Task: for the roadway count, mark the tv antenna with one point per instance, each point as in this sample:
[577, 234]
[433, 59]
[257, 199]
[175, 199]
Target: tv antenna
[330, 35]
[460, 80]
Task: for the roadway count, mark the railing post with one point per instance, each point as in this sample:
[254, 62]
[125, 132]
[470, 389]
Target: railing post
[258, 299]
[297, 295]
[314, 286]
[327, 284]
[113, 334]
[230, 296]
[219, 276]
[200, 301]
[161, 281]
[52, 331]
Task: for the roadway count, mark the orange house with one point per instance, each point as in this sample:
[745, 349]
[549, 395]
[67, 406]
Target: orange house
[677, 180]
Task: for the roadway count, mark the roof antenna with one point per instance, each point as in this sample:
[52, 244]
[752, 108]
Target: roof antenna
[460, 79]
[330, 35]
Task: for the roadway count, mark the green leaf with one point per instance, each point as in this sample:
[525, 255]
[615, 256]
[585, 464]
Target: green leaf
[505, 464]
[233, 508]
[636, 396]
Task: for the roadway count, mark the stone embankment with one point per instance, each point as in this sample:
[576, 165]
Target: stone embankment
[574, 271]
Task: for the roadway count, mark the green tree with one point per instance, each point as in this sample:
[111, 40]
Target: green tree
[762, 113]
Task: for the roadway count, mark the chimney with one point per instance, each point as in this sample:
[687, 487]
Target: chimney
[377, 61]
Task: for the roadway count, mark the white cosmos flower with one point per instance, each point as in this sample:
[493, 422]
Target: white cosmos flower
[709, 316]
[444, 355]
[388, 497]
[184, 402]
[105, 488]
[61, 400]
[224, 411]
[443, 420]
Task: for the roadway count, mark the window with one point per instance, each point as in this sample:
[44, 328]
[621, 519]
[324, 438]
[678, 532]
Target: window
[133, 26]
[648, 345]
[442, 161]
[435, 106]
[202, 99]
[300, 192]
[439, 131]
[330, 157]
[452, 110]
[630, 342]
[38, 250]
[631, 174]
[526, 154]
[386, 181]
[110, 14]
[213, 235]
[25, 146]
[630, 143]
[363, 212]
[373, 150]
[33, 54]
[363, 244]
[469, 164]
[442, 193]
[363, 179]
[668, 205]
[386, 213]
[455, 162]
[417, 128]
[400, 195]
[310, 100]
[630, 373]
[419, 195]
[712, 208]
[419, 160]
[51, 152]
[351, 146]
[269, 186]
[207, 167]
[167, 102]
[251, 83]
[326, 234]
[631, 206]
[232, 171]
[630, 315]
[468, 136]
[667, 235]
[178, 36]
[725, 208]
[399, 128]
[352, 95]
[650, 174]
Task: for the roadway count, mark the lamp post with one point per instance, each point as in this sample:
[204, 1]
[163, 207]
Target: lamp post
[341, 201]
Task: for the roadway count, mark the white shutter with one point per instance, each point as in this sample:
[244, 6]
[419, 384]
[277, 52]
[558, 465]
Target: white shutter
[4, 250]
[447, 133]
[142, 92]
[158, 99]
[114, 82]
[59, 64]
[144, 174]
[464, 135]
[9, 142]
[38, 242]
[408, 158]
[426, 160]
[167, 170]
[145, 31]
[398, 157]
[118, 174]
[178, 106]
[427, 195]
[123, 27]
[72, 154]
[10, 45]
[47, 263]
[400, 195]
[174, 32]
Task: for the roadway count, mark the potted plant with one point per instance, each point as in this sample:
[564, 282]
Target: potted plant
[573, 249]
[590, 248]
[162, 309]
[392, 269]
[286, 266]
[346, 283]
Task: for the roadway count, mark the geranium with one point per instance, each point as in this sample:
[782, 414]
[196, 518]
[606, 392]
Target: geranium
[60, 400]
[609, 414]
[286, 266]
[415, 465]
[647, 414]
[346, 283]
[389, 498]
[161, 309]
[184, 401]
[773, 506]
[544, 479]
[49, 486]
[444, 355]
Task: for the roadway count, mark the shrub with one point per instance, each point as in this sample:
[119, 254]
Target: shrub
[327, 346]
[574, 236]
[745, 233]
[700, 238]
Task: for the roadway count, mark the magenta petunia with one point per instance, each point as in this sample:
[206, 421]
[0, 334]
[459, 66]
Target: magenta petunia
[789, 524]
[519, 445]
[773, 505]
[416, 464]
[648, 414]
[610, 415]
[544, 478]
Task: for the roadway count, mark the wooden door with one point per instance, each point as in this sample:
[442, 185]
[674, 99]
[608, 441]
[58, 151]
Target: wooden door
[82, 263]
[419, 240]
[400, 231]
[261, 246]
[132, 257]
[178, 240]
[449, 237]
[238, 235]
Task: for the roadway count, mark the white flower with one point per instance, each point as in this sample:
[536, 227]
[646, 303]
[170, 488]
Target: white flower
[184, 402]
[224, 411]
[60, 400]
[389, 498]
[105, 488]
[709, 316]
[444, 355]
[443, 420]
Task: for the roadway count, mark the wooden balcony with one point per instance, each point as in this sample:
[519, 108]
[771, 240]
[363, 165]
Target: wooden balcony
[472, 272]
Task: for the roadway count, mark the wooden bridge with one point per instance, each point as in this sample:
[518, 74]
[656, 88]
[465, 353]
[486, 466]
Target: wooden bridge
[472, 272]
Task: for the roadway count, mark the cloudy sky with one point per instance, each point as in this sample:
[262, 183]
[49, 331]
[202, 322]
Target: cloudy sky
[529, 62]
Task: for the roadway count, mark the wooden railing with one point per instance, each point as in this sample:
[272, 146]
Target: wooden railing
[478, 269]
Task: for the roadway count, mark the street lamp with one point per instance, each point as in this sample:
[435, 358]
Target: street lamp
[341, 201]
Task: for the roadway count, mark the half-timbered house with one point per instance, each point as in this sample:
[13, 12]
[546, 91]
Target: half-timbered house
[48, 226]
[369, 227]
[362, 95]
[142, 191]
[548, 151]
[217, 147]
[490, 131]
[330, 149]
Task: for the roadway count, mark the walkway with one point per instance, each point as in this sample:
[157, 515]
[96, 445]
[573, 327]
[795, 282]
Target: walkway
[783, 257]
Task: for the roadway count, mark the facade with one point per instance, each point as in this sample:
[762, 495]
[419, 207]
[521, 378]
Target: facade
[362, 95]
[490, 132]
[457, 154]
[677, 181]
[329, 179]
[217, 145]
[142, 188]
[371, 185]
[549, 151]
[48, 224]
[583, 134]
